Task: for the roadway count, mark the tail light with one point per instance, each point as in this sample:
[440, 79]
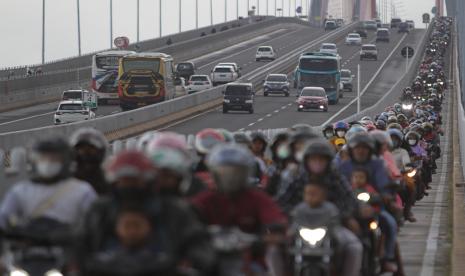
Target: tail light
[94, 85]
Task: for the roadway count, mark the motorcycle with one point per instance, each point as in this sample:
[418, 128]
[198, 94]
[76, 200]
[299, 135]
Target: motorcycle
[408, 108]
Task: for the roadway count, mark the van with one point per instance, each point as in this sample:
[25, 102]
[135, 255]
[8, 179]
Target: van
[395, 22]
[238, 96]
[382, 35]
[330, 25]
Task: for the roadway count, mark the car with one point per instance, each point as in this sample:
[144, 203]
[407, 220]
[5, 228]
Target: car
[238, 97]
[276, 83]
[330, 25]
[382, 34]
[411, 24]
[403, 27]
[312, 98]
[237, 68]
[72, 111]
[362, 32]
[185, 70]
[265, 53]
[369, 51]
[347, 79]
[339, 22]
[198, 83]
[223, 74]
[330, 48]
[90, 99]
[379, 24]
[353, 39]
[395, 21]
[370, 25]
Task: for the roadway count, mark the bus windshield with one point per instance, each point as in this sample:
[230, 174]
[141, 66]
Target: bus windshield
[141, 64]
[319, 80]
[107, 62]
[317, 64]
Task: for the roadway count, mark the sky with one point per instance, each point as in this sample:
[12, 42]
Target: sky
[21, 23]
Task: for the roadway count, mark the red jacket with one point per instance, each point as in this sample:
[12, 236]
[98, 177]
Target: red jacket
[251, 210]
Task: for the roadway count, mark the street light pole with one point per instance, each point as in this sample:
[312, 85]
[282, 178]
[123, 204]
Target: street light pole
[225, 10]
[79, 27]
[196, 14]
[111, 24]
[43, 31]
[275, 7]
[358, 89]
[258, 7]
[137, 20]
[267, 7]
[237, 9]
[180, 15]
[160, 17]
[211, 12]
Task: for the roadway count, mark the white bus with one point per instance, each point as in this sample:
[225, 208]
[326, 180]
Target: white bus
[105, 74]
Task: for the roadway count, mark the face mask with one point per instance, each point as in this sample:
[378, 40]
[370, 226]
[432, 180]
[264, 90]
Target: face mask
[48, 169]
[316, 167]
[299, 155]
[131, 193]
[329, 134]
[341, 133]
[230, 179]
[283, 152]
[412, 142]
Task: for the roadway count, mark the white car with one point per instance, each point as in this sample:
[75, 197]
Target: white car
[72, 111]
[329, 48]
[237, 68]
[411, 24]
[354, 39]
[198, 83]
[265, 53]
[223, 74]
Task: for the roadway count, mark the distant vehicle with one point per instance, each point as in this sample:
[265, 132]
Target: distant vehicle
[369, 51]
[198, 83]
[382, 34]
[72, 111]
[265, 53]
[320, 70]
[339, 22]
[395, 22]
[329, 48]
[222, 74]
[379, 24]
[145, 79]
[89, 99]
[105, 74]
[276, 83]
[403, 27]
[330, 25]
[237, 68]
[312, 98]
[238, 96]
[353, 39]
[185, 70]
[370, 25]
[411, 24]
[347, 79]
[362, 32]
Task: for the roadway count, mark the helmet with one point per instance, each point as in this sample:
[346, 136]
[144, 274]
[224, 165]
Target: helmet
[89, 136]
[171, 159]
[167, 140]
[398, 107]
[55, 146]
[242, 138]
[353, 130]
[208, 138]
[427, 126]
[257, 135]
[394, 125]
[328, 129]
[381, 137]
[228, 136]
[362, 138]
[278, 138]
[144, 140]
[392, 119]
[366, 118]
[396, 133]
[129, 164]
[412, 135]
[319, 147]
[380, 124]
[341, 125]
[230, 155]
[306, 130]
[401, 118]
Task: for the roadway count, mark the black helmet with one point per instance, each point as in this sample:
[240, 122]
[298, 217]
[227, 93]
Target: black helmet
[361, 138]
[278, 138]
[58, 147]
[259, 136]
[307, 130]
[319, 147]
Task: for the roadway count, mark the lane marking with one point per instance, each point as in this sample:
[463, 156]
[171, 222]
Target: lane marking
[268, 115]
[276, 111]
[251, 124]
[259, 120]
[27, 118]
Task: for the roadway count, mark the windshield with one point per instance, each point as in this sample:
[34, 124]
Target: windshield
[313, 93]
[264, 49]
[72, 95]
[71, 107]
[199, 78]
[317, 64]
[141, 64]
[369, 48]
[223, 70]
[331, 47]
[319, 80]
[345, 74]
[107, 62]
[277, 78]
[396, 20]
[354, 36]
[330, 24]
[185, 66]
[238, 90]
[382, 33]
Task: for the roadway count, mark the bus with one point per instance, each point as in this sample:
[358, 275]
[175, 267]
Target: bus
[320, 70]
[145, 79]
[105, 73]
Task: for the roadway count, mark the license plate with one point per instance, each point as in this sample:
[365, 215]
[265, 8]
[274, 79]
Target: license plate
[198, 83]
[223, 76]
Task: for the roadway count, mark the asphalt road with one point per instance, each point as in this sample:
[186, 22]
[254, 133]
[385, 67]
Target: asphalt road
[281, 112]
[282, 39]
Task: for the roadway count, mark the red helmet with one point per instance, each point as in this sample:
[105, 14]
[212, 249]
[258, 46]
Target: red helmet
[167, 140]
[207, 139]
[129, 163]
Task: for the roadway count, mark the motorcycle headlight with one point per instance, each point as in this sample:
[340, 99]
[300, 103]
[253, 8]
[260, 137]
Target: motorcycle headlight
[226, 101]
[18, 272]
[312, 236]
[441, 83]
[249, 101]
[407, 106]
[429, 84]
[301, 106]
[365, 197]
[373, 225]
[53, 272]
[412, 173]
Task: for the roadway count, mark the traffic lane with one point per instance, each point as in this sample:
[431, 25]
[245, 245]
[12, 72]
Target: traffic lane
[40, 117]
[289, 115]
[394, 70]
[265, 107]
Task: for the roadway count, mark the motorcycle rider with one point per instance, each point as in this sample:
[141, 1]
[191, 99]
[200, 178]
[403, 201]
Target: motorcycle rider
[90, 148]
[51, 192]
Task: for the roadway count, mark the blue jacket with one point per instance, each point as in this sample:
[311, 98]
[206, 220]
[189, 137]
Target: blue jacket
[378, 176]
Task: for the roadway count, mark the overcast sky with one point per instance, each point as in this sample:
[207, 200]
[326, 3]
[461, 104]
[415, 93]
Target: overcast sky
[21, 23]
